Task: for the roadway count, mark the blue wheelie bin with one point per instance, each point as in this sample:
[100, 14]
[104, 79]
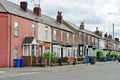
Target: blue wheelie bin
[22, 62]
[17, 63]
[87, 59]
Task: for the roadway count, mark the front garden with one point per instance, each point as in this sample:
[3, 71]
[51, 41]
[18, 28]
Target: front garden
[50, 59]
[110, 56]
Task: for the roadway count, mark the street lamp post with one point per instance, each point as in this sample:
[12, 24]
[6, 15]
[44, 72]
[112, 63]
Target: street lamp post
[113, 37]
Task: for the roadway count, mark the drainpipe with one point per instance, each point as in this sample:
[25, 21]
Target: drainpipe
[51, 44]
[10, 39]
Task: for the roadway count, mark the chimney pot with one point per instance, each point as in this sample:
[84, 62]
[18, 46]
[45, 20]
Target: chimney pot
[82, 25]
[37, 10]
[23, 5]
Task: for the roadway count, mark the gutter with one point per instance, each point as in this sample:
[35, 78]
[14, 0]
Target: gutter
[10, 40]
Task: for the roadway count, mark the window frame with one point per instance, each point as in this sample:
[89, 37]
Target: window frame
[61, 35]
[33, 30]
[46, 33]
[54, 34]
[16, 52]
[16, 29]
[68, 37]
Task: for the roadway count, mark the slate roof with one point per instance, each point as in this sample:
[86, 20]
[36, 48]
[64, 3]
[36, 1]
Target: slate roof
[82, 30]
[89, 32]
[9, 7]
[52, 22]
[28, 40]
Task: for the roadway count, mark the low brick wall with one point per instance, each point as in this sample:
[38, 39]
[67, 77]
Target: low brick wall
[29, 60]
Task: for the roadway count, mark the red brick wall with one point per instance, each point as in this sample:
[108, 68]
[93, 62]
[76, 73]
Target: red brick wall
[25, 30]
[76, 40]
[4, 33]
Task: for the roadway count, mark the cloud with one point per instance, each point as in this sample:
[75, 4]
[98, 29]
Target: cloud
[95, 13]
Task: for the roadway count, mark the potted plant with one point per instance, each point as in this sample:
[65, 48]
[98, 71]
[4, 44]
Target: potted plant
[119, 58]
[41, 57]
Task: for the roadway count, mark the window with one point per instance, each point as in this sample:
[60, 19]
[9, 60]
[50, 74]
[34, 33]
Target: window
[33, 30]
[16, 29]
[84, 38]
[25, 53]
[92, 41]
[67, 37]
[61, 35]
[69, 53]
[15, 52]
[37, 54]
[73, 39]
[46, 33]
[33, 50]
[54, 35]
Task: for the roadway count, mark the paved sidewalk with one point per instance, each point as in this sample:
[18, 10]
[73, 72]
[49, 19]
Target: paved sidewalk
[41, 69]
[10, 72]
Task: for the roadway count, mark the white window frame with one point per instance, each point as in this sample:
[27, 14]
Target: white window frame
[84, 38]
[73, 38]
[68, 37]
[61, 35]
[54, 34]
[33, 30]
[25, 50]
[46, 33]
[16, 52]
[16, 29]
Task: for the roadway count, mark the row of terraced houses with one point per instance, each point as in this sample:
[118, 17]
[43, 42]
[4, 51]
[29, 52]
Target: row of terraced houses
[29, 33]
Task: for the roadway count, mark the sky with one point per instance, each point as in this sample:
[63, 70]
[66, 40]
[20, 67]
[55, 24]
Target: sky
[94, 13]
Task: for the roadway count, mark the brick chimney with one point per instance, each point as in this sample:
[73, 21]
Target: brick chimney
[105, 35]
[97, 32]
[37, 10]
[59, 17]
[110, 36]
[82, 25]
[23, 5]
[117, 39]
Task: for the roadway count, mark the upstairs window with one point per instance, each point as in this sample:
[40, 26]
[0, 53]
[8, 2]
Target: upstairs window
[67, 37]
[54, 34]
[16, 29]
[46, 33]
[61, 35]
[73, 39]
[33, 30]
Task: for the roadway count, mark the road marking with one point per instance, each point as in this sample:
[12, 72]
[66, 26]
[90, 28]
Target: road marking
[2, 71]
[21, 74]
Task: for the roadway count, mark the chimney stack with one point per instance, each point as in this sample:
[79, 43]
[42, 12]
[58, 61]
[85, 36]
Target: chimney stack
[82, 25]
[59, 17]
[110, 36]
[105, 35]
[97, 32]
[37, 10]
[23, 5]
[117, 39]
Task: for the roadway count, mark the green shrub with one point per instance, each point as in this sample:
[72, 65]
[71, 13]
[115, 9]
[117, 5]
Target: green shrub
[99, 54]
[54, 58]
[48, 55]
[108, 55]
[64, 59]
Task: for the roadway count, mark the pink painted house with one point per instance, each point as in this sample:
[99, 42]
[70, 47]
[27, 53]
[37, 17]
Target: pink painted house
[18, 32]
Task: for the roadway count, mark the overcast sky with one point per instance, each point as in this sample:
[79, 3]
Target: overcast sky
[94, 13]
